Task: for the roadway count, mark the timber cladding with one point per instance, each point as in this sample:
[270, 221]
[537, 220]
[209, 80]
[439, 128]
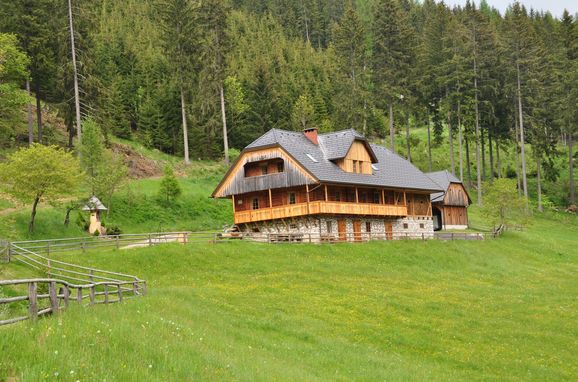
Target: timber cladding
[236, 182]
[456, 195]
[357, 159]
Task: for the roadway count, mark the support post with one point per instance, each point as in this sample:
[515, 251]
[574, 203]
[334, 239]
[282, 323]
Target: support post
[91, 294]
[382, 196]
[356, 196]
[79, 295]
[326, 196]
[106, 293]
[53, 297]
[66, 293]
[119, 292]
[32, 301]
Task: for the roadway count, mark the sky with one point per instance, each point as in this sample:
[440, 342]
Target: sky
[556, 7]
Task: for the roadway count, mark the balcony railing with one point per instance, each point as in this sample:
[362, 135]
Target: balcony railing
[319, 207]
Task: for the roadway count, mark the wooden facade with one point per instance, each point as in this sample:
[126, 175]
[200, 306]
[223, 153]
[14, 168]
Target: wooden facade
[452, 211]
[358, 160]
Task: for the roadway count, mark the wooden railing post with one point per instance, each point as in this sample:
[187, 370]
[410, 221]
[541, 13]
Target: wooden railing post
[53, 297]
[135, 288]
[119, 286]
[91, 275]
[106, 293]
[117, 241]
[32, 301]
[83, 245]
[66, 295]
[79, 295]
[92, 294]
[150, 240]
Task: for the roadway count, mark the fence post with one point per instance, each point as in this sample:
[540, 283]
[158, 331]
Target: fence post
[66, 293]
[119, 292]
[135, 288]
[422, 236]
[150, 241]
[83, 245]
[452, 236]
[32, 301]
[106, 293]
[53, 297]
[117, 242]
[92, 294]
[90, 275]
[79, 295]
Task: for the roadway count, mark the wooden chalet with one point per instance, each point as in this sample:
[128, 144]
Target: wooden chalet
[334, 186]
[450, 208]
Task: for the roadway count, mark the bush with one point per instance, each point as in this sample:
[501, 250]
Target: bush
[113, 230]
[169, 189]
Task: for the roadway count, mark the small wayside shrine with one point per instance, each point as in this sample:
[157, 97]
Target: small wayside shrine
[333, 186]
[450, 208]
[95, 206]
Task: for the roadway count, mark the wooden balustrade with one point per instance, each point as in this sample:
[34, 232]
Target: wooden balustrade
[319, 207]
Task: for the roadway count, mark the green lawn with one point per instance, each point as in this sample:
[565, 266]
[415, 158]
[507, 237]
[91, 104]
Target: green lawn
[492, 310]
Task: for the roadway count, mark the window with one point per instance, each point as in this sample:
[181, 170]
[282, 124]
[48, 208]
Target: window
[329, 226]
[293, 226]
[239, 201]
[280, 167]
[404, 225]
[355, 166]
[376, 197]
[337, 196]
[367, 226]
[255, 203]
[264, 169]
[363, 197]
[291, 198]
[351, 196]
[421, 225]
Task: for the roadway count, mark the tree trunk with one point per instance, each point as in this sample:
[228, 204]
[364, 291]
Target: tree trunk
[478, 169]
[39, 114]
[522, 142]
[518, 177]
[571, 168]
[451, 138]
[33, 214]
[491, 157]
[498, 161]
[483, 149]
[460, 143]
[468, 165]
[75, 72]
[429, 144]
[391, 130]
[224, 116]
[539, 181]
[185, 128]
[407, 139]
[30, 119]
[67, 217]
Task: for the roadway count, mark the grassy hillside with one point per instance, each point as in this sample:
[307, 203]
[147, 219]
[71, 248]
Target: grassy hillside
[493, 310]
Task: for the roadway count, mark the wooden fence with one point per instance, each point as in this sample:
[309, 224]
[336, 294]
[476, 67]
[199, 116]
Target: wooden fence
[89, 283]
[60, 293]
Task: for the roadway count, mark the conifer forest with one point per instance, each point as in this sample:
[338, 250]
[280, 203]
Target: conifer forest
[201, 79]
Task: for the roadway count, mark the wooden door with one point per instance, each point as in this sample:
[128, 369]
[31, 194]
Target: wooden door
[357, 230]
[388, 231]
[342, 229]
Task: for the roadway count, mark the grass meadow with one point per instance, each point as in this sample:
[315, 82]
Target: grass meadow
[501, 309]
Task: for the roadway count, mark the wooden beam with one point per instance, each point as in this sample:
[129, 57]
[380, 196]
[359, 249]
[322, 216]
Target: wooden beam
[404, 199]
[356, 196]
[233, 196]
[270, 199]
[326, 198]
[307, 192]
[382, 196]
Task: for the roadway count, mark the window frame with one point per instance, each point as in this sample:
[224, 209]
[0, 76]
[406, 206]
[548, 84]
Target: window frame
[255, 203]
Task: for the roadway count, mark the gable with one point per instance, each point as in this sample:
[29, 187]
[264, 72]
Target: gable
[244, 176]
[456, 195]
[357, 160]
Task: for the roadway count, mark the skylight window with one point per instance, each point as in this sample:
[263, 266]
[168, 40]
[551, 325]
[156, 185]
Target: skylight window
[312, 158]
[374, 167]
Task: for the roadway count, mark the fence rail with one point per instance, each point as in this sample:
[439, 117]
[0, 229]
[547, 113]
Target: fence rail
[97, 282]
[60, 293]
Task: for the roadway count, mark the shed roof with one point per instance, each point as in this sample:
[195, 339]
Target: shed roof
[391, 169]
[443, 179]
[94, 204]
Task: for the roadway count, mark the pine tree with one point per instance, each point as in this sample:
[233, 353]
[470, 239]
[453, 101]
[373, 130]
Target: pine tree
[389, 59]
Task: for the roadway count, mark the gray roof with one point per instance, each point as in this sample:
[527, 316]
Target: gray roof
[94, 204]
[392, 170]
[443, 179]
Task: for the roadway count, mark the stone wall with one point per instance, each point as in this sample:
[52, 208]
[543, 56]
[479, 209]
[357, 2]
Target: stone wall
[326, 228]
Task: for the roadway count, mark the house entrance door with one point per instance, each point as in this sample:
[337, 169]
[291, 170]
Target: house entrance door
[357, 230]
[388, 231]
[342, 229]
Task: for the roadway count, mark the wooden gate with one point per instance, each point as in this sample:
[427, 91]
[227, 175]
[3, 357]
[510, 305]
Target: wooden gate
[342, 229]
[388, 231]
[357, 230]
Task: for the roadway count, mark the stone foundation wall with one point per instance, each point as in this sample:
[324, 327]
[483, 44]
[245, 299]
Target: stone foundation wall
[325, 228]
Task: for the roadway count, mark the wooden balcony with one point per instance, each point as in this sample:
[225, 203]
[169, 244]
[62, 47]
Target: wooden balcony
[319, 207]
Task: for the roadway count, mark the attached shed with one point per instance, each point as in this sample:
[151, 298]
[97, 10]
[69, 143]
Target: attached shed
[449, 208]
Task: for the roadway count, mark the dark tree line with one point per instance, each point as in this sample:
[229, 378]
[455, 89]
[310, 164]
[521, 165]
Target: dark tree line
[197, 77]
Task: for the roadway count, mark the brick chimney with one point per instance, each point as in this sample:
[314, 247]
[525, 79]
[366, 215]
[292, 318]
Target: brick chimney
[311, 134]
